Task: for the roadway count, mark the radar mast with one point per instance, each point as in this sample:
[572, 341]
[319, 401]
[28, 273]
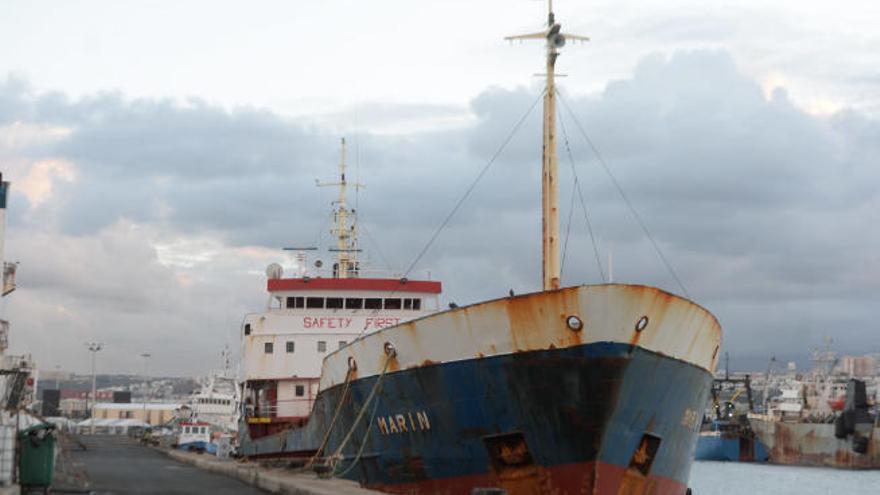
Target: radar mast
[345, 225]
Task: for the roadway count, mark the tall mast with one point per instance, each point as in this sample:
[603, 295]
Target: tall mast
[549, 188]
[345, 228]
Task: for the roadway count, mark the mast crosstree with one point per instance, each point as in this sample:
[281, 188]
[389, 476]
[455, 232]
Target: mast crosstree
[555, 40]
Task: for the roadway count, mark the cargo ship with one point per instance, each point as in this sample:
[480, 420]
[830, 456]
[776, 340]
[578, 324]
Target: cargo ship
[848, 439]
[594, 389]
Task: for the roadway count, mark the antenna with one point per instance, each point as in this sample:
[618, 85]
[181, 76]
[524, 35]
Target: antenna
[346, 234]
[555, 40]
[726, 365]
[299, 256]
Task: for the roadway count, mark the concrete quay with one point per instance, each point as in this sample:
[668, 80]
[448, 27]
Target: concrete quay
[272, 480]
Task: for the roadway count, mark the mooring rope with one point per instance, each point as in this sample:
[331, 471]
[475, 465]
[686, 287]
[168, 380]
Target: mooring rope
[333, 460]
[342, 399]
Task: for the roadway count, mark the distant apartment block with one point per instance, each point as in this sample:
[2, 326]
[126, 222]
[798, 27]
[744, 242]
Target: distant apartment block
[858, 366]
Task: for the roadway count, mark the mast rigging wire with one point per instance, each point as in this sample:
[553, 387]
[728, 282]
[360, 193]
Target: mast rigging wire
[376, 247]
[473, 185]
[577, 187]
[567, 231]
[623, 195]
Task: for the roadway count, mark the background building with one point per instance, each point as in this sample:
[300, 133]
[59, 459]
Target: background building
[858, 366]
[152, 413]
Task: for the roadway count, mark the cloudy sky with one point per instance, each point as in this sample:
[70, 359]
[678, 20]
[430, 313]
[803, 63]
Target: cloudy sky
[161, 153]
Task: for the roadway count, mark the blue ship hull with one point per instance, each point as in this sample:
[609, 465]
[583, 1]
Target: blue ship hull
[599, 416]
[197, 446]
[734, 449]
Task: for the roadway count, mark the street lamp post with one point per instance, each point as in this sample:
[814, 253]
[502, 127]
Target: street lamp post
[94, 347]
[146, 357]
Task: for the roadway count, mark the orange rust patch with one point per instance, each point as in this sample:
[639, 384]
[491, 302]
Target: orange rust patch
[635, 338]
[532, 314]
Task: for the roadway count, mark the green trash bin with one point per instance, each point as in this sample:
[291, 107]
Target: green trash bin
[37, 459]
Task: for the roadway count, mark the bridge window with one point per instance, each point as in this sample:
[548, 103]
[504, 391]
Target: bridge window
[289, 345]
[354, 303]
[267, 347]
[247, 328]
[300, 391]
[334, 303]
[342, 344]
[413, 304]
[372, 303]
[295, 302]
[322, 346]
[315, 302]
[392, 303]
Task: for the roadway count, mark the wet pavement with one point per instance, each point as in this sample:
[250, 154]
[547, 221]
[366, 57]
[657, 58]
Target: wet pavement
[118, 464]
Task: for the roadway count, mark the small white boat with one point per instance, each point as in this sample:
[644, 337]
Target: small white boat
[194, 436]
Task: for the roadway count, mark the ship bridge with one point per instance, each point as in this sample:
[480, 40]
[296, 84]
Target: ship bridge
[308, 318]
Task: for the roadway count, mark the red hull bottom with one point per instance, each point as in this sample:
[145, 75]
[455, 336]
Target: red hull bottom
[588, 478]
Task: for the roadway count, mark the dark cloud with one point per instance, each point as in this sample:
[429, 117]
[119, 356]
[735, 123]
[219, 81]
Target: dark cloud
[767, 211]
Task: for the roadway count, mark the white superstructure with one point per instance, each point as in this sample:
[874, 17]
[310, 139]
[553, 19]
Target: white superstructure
[313, 314]
[217, 402]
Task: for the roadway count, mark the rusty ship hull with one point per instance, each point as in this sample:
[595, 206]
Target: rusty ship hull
[814, 444]
[512, 394]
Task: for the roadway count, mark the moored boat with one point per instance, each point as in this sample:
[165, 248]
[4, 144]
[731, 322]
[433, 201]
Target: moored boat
[849, 440]
[217, 402]
[194, 436]
[727, 434]
[588, 389]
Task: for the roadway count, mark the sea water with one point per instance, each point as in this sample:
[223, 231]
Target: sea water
[733, 478]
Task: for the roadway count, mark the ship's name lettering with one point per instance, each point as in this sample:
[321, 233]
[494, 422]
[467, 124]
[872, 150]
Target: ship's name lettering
[326, 322]
[691, 419]
[380, 322]
[408, 422]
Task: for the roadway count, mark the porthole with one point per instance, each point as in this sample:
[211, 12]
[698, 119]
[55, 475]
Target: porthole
[641, 324]
[574, 323]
